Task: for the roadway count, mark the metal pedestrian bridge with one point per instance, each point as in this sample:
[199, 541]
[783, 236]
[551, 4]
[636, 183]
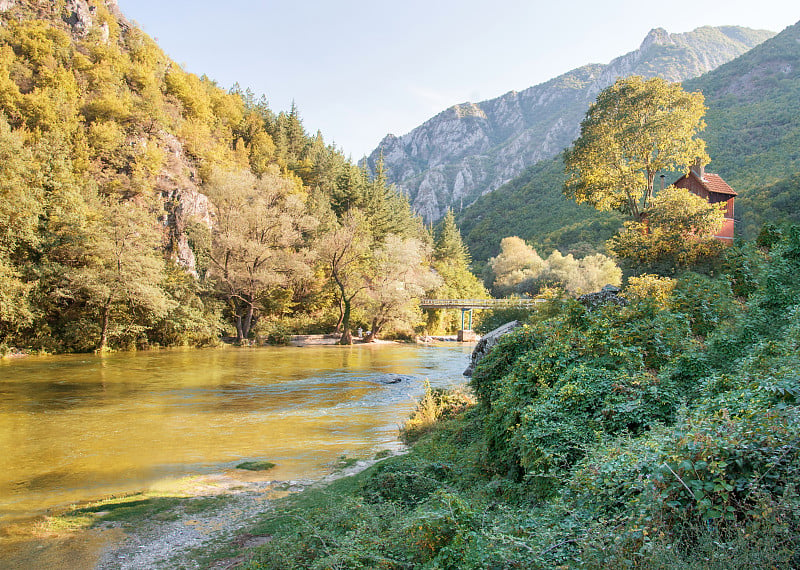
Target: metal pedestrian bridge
[467, 305]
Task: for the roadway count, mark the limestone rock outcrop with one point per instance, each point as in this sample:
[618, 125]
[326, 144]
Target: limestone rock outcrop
[487, 342]
[179, 186]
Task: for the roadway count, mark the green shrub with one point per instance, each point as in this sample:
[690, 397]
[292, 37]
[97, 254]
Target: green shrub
[274, 332]
[706, 302]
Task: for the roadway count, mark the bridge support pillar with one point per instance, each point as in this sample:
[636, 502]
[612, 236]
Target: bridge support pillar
[466, 336]
[464, 313]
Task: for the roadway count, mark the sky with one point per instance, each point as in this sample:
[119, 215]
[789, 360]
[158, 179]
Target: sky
[360, 69]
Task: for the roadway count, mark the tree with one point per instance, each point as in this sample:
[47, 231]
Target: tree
[346, 253]
[20, 207]
[122, 271]
[451, 260]
[401, 276]
[636, 128]
[516, 266]
[518, 269]
[677, 233]
[448, 245]
[257, 243]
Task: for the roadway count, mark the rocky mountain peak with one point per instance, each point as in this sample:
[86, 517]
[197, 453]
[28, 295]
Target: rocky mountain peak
[656, 36]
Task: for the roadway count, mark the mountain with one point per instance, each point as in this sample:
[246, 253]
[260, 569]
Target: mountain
[473, 148]
[753, 136]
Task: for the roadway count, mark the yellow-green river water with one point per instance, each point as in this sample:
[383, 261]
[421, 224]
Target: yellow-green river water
[75, 428]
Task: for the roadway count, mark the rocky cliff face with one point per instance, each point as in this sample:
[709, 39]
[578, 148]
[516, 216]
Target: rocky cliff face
[473, 148]
[178, 185]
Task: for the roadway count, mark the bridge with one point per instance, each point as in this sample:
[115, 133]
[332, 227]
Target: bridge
[479, 303]
[466, 306]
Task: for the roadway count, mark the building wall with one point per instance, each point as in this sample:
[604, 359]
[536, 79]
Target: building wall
[693, 185]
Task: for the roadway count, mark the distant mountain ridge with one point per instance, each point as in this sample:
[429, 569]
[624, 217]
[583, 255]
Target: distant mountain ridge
[471, 149]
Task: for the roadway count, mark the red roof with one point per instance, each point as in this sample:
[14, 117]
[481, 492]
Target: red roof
[711, 182]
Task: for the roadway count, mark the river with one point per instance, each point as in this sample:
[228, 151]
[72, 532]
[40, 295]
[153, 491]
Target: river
[80, 427]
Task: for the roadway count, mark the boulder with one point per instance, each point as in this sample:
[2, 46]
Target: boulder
[608, 294]
[487, 342]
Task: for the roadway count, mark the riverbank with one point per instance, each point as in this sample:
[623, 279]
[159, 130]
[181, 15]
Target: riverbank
[294, 340]
[332, 339]
[198, 522]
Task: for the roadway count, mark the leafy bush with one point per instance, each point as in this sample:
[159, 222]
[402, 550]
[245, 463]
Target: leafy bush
[274, 332]
[493, 318]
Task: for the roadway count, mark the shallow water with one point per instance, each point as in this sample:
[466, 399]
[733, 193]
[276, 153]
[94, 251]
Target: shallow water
[76, 428]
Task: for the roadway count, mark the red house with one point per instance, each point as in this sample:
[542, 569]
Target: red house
[714, 189]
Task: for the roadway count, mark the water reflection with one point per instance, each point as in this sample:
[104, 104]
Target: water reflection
[77, 427]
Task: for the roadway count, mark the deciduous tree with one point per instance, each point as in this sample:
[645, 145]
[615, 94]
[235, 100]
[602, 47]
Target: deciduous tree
[120, 276]
[678, 233]
[346, 253]
[636, 128]
[257, 242]
[401, 276]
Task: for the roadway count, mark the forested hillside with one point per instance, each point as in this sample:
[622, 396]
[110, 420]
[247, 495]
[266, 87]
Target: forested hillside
[753, 130]
[143, 205]
[533, 207]
[752, 135]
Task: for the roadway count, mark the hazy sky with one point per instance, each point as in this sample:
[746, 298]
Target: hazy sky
[359, 69]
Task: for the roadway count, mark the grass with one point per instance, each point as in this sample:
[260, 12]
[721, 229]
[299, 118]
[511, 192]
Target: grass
[256, 465]
[133, 510]
[344, 462]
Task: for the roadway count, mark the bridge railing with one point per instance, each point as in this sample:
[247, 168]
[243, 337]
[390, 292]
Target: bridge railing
[478, 303]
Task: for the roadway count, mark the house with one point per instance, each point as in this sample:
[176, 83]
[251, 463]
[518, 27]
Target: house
[714, 189]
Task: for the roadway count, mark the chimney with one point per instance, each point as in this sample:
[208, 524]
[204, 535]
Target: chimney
[663, 183]
[699, 168]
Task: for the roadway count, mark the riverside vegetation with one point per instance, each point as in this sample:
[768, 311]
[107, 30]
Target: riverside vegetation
[658, 433]
[655, 429]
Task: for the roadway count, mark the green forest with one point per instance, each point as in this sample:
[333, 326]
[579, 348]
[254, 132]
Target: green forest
[143, 206]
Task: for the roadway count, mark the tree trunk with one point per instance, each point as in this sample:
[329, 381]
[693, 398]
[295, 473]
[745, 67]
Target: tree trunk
[247, 322]
[347, 336]
[373, 333]
[239, 335]
[338, 328]
[105, 314]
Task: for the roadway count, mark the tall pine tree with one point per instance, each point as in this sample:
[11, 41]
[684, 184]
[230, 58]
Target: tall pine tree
[451, 261]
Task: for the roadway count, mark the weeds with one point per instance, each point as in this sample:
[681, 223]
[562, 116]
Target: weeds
[437, 404]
